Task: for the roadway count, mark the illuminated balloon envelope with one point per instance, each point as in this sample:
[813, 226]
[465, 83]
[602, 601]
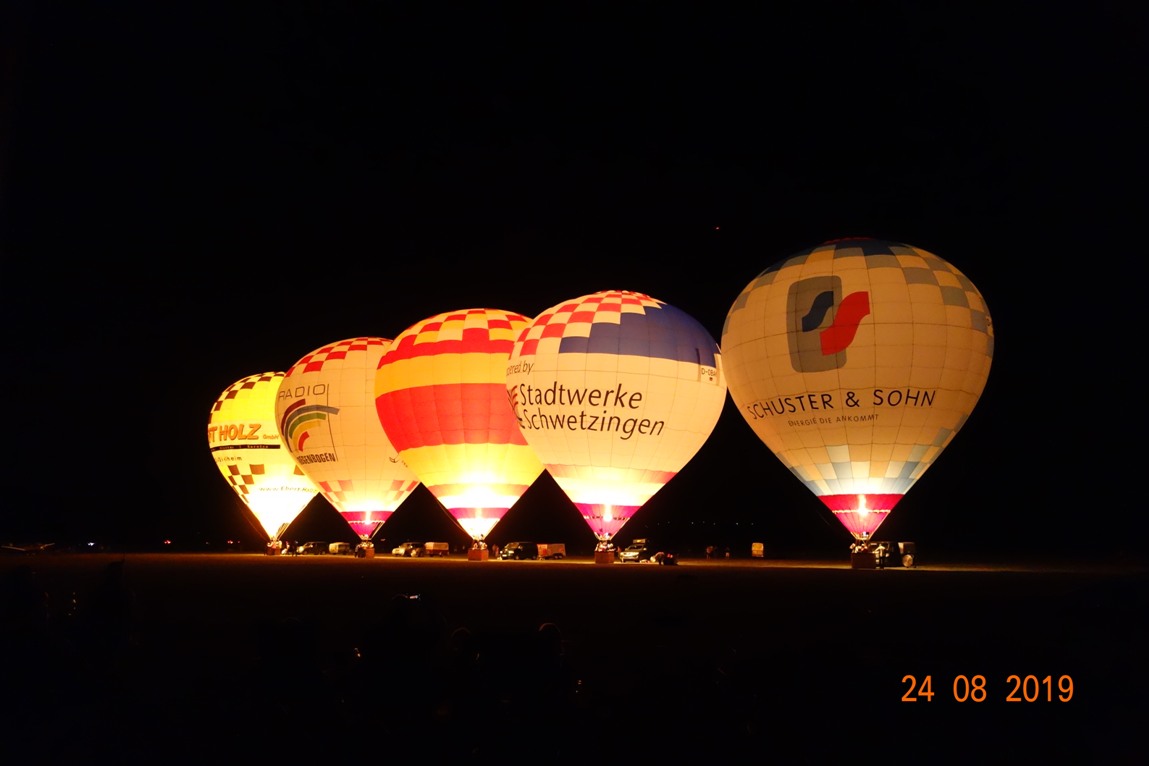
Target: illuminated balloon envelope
[616, 392]
[441, 397]
[856, 362]
[326, 414]
[245, 444]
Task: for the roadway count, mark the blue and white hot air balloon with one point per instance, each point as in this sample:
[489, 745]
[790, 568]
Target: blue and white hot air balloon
[615, 392]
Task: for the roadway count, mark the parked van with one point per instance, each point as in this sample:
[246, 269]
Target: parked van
[339, 549]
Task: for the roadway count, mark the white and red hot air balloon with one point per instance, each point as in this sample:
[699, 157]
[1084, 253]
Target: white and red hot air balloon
[326, 413]
[856, 362]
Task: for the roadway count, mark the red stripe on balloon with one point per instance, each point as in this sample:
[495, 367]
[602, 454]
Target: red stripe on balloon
[861, 525]
[450, 413]
[473, 342]
[885, 502]
[594, 514]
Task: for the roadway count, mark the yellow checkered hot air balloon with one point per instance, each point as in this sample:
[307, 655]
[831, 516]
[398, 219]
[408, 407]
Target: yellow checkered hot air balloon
[441, 397]
[245, 444]
[856, 362]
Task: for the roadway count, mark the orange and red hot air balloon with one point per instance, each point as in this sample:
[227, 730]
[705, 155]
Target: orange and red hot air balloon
[440, 394]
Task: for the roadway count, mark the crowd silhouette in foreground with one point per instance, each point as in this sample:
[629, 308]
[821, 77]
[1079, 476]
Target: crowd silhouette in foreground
[99, 679]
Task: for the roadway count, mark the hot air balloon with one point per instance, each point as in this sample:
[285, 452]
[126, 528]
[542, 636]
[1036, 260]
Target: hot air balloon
[616, 392]
[326, 414]
[245, 444]
[439, 393]
[856, 362]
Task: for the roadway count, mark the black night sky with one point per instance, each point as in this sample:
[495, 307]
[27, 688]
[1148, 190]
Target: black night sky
[195, 192]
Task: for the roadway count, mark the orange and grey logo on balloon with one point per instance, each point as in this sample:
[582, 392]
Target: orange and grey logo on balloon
[823, 324]
[301, 419]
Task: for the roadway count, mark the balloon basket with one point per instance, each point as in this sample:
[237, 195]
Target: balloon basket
[477, 554]
[863, 559]
[604, 557]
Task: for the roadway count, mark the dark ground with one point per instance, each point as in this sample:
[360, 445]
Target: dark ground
[240, 656]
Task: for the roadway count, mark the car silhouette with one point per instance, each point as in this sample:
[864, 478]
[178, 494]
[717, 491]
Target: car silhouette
[408, 549]
[637, 551]
[642, 551]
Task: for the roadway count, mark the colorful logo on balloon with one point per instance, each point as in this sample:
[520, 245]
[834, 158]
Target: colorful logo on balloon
[301, 419]
[823, 323]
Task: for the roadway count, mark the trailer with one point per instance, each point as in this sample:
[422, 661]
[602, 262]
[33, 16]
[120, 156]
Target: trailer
[552, 550]
[436, 549]
[519, 551]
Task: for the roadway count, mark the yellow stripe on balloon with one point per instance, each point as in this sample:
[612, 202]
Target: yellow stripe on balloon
[496, 463]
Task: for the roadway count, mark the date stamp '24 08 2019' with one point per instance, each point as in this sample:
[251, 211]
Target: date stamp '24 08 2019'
[1017, 688]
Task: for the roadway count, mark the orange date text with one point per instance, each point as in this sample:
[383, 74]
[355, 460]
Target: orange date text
[975, 688]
